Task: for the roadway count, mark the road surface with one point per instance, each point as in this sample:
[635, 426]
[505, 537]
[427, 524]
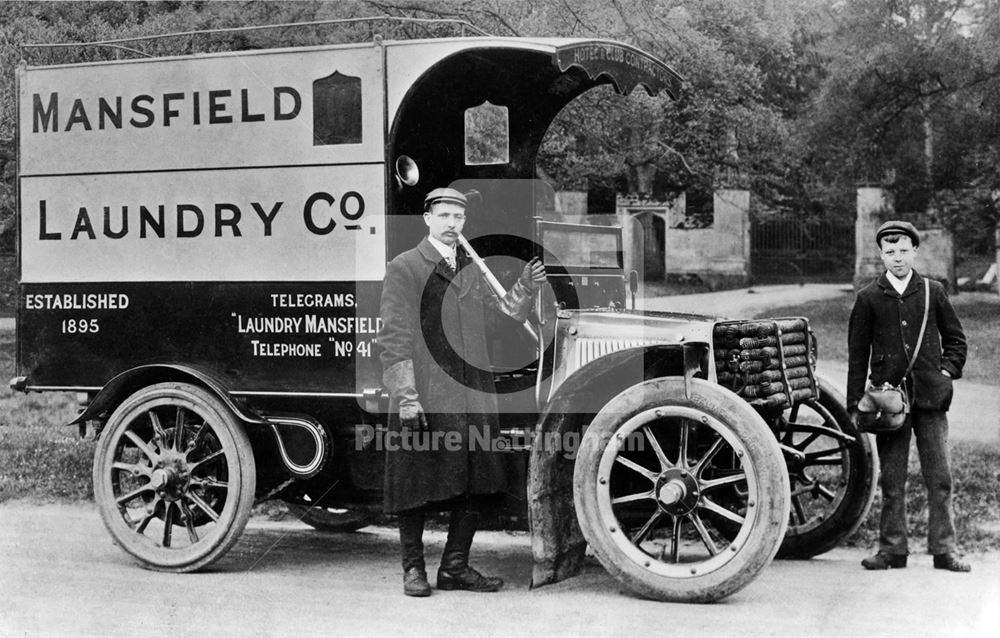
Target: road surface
[60, 575]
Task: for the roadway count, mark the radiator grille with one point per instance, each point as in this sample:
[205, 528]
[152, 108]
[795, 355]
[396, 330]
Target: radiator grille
[588, 348]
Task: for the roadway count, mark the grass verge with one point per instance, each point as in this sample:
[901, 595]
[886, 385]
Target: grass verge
[978, 312]
[975, 467]
[40, 458]
[975, 496]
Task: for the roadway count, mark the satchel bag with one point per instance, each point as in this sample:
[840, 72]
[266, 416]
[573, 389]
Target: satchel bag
[884, 408]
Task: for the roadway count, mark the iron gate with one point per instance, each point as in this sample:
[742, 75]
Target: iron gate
[784, 250]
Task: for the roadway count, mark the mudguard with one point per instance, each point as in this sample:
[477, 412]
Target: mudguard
[127, 382]
[557, 543]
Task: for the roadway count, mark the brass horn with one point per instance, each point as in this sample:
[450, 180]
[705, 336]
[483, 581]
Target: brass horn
[407, 171]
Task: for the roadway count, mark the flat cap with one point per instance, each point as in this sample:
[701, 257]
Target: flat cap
[897, 226]
[449, 195]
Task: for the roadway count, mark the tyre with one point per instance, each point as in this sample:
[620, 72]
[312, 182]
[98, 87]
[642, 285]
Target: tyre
[329, 519]
[833, 475]
[174, 477]
[655, 478]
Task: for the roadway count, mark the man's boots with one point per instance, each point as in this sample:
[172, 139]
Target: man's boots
[411, 542]
[455, 572]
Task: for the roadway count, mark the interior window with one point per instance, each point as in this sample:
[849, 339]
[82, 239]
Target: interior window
[487, 135]
[337, 110]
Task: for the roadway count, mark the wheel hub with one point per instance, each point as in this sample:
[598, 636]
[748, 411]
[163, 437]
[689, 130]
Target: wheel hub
[672, 492]
[677, 492]
[171, 477]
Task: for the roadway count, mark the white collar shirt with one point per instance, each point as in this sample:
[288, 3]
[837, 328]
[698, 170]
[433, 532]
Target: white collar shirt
[448, 252]
[897, 283]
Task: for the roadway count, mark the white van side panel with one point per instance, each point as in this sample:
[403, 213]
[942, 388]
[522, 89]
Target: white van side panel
[276, 224]
[193, 113]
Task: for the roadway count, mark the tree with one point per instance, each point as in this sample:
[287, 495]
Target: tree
[725, 130]
[906, 99]
[24, 23]
[797, 100]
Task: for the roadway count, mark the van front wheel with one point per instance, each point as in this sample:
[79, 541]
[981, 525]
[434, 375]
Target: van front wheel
[683, 496]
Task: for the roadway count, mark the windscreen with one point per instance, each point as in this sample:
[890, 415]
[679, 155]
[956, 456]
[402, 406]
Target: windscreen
[580, 247]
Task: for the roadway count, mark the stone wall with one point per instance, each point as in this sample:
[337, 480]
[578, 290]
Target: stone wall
[630, 210]
[935, 257]
[717, 256]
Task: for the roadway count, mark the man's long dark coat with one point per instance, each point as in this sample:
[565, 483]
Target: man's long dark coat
[438, 321]
[883, 330]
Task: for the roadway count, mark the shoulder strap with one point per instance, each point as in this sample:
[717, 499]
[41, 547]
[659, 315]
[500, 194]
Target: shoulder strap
[923, 326]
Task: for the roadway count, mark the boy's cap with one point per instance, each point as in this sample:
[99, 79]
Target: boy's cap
[897, 226]
[449, 195]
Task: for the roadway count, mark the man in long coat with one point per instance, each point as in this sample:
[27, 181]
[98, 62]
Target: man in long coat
[443, 410]
[883, 331]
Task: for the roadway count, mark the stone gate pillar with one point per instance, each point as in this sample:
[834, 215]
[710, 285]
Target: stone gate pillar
[732, 232]
[872, 203]
[571, 206]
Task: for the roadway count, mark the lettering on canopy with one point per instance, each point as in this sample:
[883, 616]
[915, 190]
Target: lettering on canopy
[626, 67]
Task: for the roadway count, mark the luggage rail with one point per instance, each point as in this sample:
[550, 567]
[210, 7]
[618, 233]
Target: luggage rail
[463, 26]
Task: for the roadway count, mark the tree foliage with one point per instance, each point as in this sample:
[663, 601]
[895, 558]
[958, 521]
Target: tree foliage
[798, 100]
[909, 98]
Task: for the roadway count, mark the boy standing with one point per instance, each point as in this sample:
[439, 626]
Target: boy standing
[883, 331]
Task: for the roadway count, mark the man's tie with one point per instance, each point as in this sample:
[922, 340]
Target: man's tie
[450, 260]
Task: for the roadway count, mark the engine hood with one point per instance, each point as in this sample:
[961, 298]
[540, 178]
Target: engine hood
[582, 336]
[656, 325]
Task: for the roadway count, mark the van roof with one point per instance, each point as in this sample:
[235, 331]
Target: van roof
[626, 66]
[581, 52]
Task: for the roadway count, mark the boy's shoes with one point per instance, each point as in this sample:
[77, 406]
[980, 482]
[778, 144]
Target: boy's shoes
[415, 583]
[882, 560]
[952, 564]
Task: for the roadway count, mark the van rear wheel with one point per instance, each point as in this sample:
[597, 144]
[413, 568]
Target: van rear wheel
[682, 496]
[174, 477]
[833, 474]
[330, 519]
